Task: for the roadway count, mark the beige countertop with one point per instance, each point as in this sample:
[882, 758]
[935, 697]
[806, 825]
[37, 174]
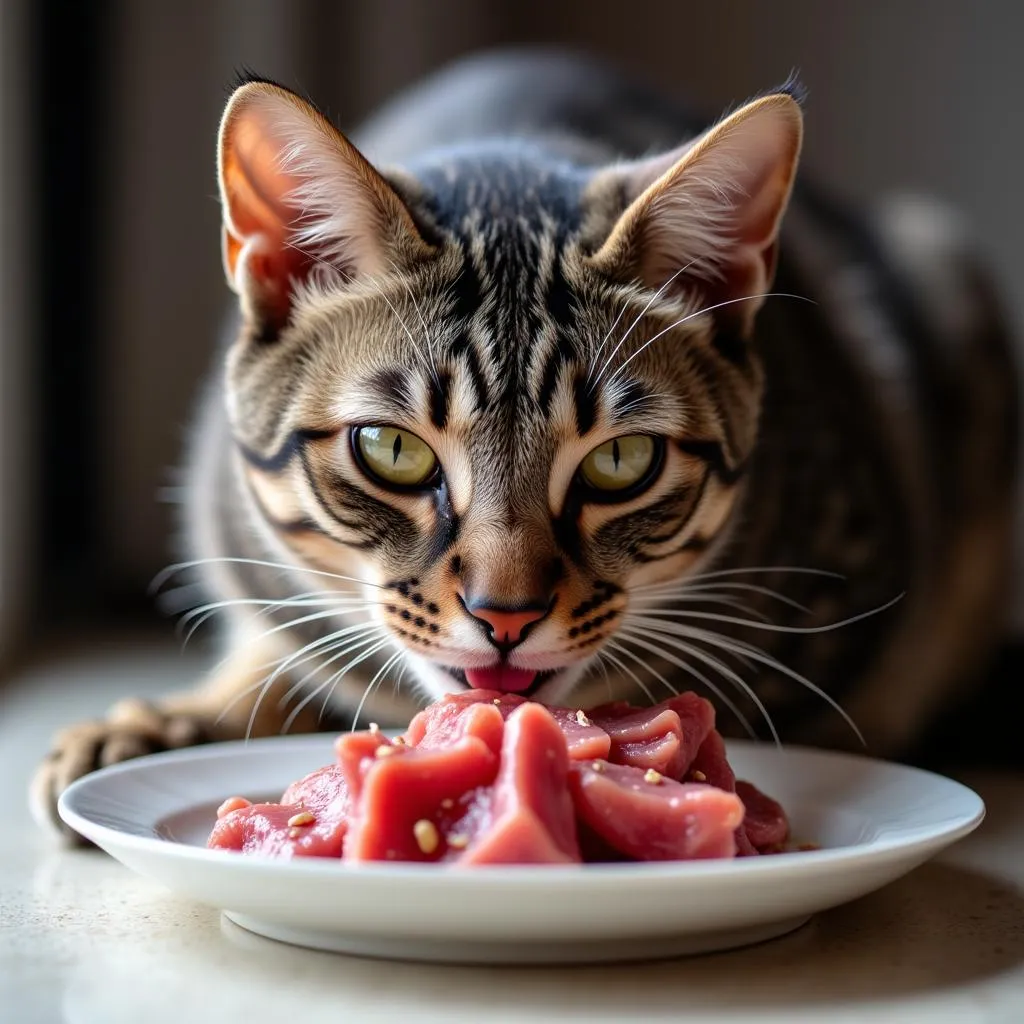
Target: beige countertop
[85, 941]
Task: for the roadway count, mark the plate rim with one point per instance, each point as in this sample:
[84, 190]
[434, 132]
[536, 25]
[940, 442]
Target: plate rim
[941, 834]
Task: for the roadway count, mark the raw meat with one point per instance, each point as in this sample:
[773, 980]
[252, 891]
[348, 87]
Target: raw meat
[265, 829]
[484, 778]
[531, 813]
[650, 818]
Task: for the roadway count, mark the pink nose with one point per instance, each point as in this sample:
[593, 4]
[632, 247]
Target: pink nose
[507, 626]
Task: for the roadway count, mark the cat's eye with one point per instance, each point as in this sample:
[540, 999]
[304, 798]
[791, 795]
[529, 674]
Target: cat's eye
[619, 468]
[394, 456]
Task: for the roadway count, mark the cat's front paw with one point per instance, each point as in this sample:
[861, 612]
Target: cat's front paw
[132, 729]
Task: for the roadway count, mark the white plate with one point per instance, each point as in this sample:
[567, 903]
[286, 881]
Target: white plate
[876, 821]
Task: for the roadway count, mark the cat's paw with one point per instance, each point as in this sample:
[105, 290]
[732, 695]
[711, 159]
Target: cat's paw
[132, 728]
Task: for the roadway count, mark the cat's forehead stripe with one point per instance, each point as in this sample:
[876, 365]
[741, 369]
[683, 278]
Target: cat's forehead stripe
[393, 388]
[439, 385]
[509, 212]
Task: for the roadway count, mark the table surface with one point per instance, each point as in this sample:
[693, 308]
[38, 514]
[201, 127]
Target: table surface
[84, 940]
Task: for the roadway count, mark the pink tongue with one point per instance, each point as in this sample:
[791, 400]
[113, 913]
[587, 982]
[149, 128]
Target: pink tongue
[500, 677]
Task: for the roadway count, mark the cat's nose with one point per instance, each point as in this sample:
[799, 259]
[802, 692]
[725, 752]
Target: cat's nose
[506, 626]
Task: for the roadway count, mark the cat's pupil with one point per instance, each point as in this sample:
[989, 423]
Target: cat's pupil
[396, 449]
[615, 455]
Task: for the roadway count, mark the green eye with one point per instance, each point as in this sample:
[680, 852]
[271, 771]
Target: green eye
[619, 464]
[395, 456]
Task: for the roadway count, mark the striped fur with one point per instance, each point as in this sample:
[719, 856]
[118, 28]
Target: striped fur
[489, 352]
[493, 287]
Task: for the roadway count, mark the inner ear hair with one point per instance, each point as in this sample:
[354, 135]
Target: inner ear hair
[713, 208]
[300, 203]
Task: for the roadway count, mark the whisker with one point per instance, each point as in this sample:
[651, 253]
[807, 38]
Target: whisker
[642, 400]
[398, 678]
[643, 664]
[599, 661]
[650, 302]
[373, 280]
[772, 627]
[700, 312]
[306, 647]
[297, 710]
[165, 574]
[625, 668]
[369, 687]
[701, 588]
[314, 597]
[317, 649]
[302, 620]
[712, 662]
[604, 340]
[177, 599]
[713, 688]
[731, 602]
[336, 651]
[213, 606]
[206, 612]
[263, 687]
[405, 327]
[757, 654]
[717, 573]
[303, 654]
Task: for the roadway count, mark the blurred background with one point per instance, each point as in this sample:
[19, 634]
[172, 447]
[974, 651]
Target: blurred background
[112, 289]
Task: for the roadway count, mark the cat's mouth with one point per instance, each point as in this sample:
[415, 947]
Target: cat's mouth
[503, 678]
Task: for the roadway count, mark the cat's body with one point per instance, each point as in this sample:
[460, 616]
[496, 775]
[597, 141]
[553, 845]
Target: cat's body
[868, 433]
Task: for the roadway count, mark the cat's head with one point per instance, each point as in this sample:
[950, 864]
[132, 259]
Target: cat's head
[504, 391]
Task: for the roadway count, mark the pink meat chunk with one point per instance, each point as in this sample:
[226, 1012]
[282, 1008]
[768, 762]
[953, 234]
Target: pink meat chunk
[493, 778]
[664, 738]
[585, 739]
[483, 721]
[655, 820]
[696, 720]
[613, 709]
[710, 762]
[263, 829]
[711, 766]
[477, 713]
[413, 786]
[324, 792]
[437, 724]
[531, 812]
[651, 738]
[765, 821]
[354, 752]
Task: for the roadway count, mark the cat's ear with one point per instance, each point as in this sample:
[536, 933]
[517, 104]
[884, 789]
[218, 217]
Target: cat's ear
[297, 195]
[710, 212]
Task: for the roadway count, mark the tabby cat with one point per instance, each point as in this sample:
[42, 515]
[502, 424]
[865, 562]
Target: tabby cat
[531, 390]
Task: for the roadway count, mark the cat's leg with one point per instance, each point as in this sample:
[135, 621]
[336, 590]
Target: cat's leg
[231, 703]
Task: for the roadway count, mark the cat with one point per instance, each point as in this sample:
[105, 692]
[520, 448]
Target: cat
[539, 383]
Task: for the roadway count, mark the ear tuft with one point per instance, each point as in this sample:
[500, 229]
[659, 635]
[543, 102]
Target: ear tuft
[791, 87]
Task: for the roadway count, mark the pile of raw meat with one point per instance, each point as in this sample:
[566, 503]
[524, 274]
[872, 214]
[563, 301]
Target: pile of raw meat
[492, 778]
